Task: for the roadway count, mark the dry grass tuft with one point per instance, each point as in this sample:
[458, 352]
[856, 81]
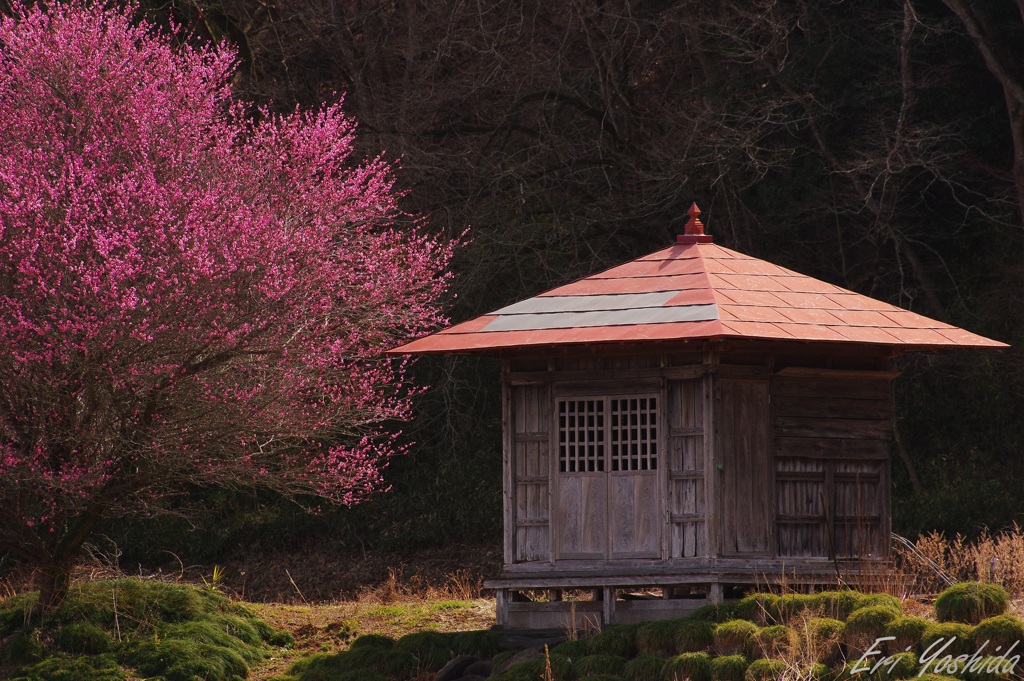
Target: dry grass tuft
[936, 561]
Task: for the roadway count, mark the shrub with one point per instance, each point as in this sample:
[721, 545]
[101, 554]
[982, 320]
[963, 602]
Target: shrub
[659, 638]
[971, 602]
[716, 612]
[694, 636]
[822, 636]
[765, 670]
[899, 666]
[1001, 632]
[60, 668]
[865, 625]
[598, 664]
[791, 605]
[836, 604]
[688, 667]
[774, 641]
[482, 644]
[82, 638]
[567, 648]
[431, 649]
[759, 608]
[728, 668]
[645, 667]
[936, 636]
[906, 633]
[615, 640]
[180, 660]
[884, 600]
[732, 637]
[991, 668]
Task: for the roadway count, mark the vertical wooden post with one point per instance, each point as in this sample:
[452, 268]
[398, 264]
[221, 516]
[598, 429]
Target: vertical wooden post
[609, 605]
[501, 607]
[508, 466]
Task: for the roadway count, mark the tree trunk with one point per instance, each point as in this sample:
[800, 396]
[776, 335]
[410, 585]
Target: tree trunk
[54, 581]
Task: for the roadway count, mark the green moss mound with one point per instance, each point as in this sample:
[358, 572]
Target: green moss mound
[687, 667]
[765, 670]
[729, 668]
[971, 602]
[568, 648]
[733, 637]
[899, 666]
[880, 599]
[791, 606]
[759, 608]
[644, 667]
[772, 642]
[836, 605]
[617, 640]
[592, 665]
[129, 628]
[659, 638]
[822, 638]
[717, 612]
[959, 638]
[906, 632]
[866, 625]
[1001, 632]
[694, 636]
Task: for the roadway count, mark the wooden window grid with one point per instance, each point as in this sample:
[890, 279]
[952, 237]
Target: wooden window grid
[634, 434]
[631, 433]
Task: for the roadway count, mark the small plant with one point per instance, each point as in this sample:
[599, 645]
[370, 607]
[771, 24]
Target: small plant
[772, 642]
[615, 640]
[694, 636]
[821, 637]
[592, 665]
[759, 608]
[765, 670]
[906, 633]
[938, 635]
[659, 638]
[880, 599]
[688, 667]
[865, 625]
[729, 668]
[733, 637]
[790, 606]
[1001, 632]
[971, 602]
[645, 667]
[572, 649]
[837, 604]
[213, 584]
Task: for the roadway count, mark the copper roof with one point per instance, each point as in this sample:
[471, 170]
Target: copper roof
[692, 290]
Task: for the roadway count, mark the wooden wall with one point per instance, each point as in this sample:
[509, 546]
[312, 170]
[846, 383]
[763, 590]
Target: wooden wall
[782, 464]
[831, 446]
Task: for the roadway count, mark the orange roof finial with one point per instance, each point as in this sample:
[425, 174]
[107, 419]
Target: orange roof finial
[694, 225]
[693, 233]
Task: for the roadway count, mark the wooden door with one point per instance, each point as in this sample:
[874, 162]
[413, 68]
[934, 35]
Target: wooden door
[582, 479]
[607, 478]
[743, 467]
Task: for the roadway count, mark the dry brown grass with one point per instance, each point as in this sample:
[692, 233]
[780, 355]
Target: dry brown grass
[997, 558]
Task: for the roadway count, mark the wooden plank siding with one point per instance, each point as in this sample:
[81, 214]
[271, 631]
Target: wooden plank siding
[686, 466]
[530, 419]
[831, 451]
[743, 466]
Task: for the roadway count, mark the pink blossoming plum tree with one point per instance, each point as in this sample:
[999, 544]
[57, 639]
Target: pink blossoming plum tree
[189, 295]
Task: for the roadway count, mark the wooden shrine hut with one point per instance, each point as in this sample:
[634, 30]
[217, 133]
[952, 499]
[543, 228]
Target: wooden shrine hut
[689, 424]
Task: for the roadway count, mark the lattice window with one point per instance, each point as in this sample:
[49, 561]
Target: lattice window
[634, 434]
[581, 435]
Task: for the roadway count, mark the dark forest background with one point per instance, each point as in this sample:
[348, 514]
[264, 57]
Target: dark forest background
[875, 144]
